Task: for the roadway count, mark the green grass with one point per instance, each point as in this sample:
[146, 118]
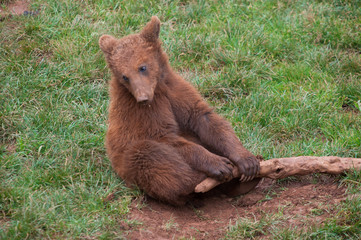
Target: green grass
[287, 74]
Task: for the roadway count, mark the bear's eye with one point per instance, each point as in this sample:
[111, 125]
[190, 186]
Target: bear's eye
[126, 79]
[142, 69]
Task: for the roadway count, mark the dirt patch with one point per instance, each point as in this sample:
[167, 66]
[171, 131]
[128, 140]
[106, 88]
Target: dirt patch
[15, 8]
[304, 201]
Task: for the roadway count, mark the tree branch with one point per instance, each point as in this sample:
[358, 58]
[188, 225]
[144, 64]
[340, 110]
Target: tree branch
[278, 168]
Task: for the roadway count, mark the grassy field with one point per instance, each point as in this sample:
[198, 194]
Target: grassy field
[287, 74]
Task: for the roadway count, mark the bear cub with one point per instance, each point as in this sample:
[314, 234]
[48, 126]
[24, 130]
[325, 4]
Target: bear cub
[162, 136]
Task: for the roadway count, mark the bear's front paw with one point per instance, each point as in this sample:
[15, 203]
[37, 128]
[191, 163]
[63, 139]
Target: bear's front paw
[220, 169]
[248, 165]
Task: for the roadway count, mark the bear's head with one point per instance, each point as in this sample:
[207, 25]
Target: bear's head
[135, 60]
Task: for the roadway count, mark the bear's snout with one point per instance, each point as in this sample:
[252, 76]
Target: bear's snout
[142, 90]
[143, 96]
[142, 99]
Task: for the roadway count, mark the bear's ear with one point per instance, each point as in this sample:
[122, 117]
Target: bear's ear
[107, 43]
[151, 31]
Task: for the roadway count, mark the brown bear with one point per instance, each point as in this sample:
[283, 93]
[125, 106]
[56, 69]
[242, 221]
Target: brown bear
[162, 136]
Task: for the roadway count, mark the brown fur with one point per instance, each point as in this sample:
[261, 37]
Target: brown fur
[162, 136]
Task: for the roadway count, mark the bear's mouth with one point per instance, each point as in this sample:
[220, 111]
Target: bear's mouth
[145, 104]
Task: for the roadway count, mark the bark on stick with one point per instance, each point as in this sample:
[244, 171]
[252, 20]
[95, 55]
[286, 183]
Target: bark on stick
[278, 168]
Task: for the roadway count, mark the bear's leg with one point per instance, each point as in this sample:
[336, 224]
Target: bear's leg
[200, 159]
[232, 188]
[160, 171]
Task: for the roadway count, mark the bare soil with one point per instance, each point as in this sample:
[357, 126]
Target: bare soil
[305, 201]
[14, 8]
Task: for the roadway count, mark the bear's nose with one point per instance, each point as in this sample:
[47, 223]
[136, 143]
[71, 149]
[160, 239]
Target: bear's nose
[142, 99]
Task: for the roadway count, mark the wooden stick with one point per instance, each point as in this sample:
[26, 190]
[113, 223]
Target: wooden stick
[278, 168]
